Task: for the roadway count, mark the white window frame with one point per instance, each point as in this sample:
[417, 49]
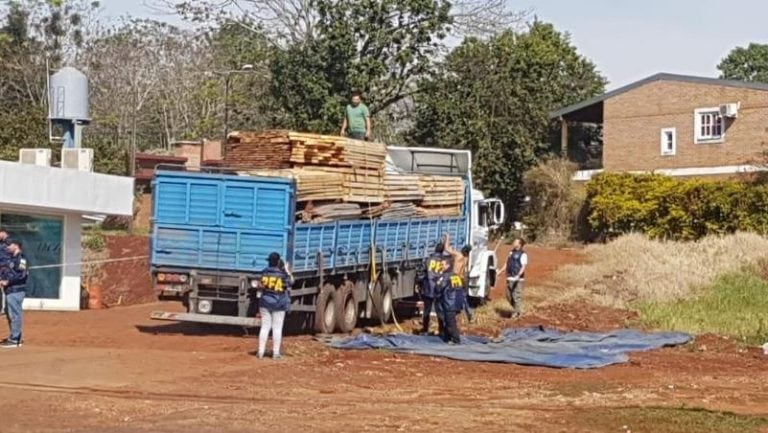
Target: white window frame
[663, 141]
[697, 124]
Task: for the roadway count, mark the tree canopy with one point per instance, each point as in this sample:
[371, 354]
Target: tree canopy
[746, 64]
[494, 97]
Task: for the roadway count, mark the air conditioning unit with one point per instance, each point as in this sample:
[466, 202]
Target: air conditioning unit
[35, 157]
[78, 158]
[730, 110]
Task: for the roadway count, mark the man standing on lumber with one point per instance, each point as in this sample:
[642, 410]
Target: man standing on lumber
[357, 119]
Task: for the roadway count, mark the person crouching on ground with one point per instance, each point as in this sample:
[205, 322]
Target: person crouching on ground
[274, 303]
[14, 281]
[450, 282]
[516, 264]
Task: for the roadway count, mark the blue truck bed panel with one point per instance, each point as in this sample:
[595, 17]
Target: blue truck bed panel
[231, 223]
[204, 221]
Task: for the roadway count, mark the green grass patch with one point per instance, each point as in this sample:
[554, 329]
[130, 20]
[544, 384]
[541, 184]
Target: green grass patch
[671, 420]
[736, 305]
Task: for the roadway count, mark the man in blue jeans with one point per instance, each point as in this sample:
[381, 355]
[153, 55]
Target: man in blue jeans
[13, 281]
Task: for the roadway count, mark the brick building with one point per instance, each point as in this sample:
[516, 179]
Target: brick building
[677, 125]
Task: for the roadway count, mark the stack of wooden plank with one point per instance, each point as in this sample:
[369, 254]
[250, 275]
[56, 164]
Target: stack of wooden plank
[402, 187]
[441, 190]
[333, 151]
[263, 150]
[312, 185]
[439, 211]
[391, 211]
[443, 195]
[327, 212]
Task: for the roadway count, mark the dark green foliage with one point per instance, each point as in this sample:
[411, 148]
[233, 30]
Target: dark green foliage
[494, 96]
[746, 64]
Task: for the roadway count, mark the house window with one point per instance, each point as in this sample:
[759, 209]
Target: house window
[708, 125]
[668, 141]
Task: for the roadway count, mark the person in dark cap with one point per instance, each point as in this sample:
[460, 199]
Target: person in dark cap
[13, 280]
[274, 303]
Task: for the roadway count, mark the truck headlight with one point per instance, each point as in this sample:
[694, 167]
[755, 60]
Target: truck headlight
[255, 284]
[183, 278]
[204, 306]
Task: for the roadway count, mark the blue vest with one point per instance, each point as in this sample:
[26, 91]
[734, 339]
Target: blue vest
[434, 267]
[515, 264]
[274, 284]
[451, 286]
[16, 273]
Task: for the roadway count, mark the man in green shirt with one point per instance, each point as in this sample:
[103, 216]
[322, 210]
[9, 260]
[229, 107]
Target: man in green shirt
[357, 119]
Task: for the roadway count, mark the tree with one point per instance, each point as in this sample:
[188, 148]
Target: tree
[35, 36]
[291, 22]
[746, 64]
[380, 47]
[494, 96]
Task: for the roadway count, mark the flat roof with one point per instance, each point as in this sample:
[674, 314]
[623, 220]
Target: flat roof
[65, 190]
[585, 109]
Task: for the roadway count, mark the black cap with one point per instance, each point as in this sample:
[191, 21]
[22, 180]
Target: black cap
[466, 249]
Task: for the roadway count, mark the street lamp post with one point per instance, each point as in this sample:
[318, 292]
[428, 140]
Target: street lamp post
[245, 69]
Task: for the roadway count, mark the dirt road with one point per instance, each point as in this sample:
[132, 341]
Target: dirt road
[116, 371]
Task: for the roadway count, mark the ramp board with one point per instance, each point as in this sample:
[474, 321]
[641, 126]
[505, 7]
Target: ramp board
[248, 322]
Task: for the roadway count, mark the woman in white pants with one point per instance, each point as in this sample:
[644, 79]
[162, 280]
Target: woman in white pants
[274, 303]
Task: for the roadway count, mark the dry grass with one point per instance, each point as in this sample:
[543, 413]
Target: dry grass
[634, 268]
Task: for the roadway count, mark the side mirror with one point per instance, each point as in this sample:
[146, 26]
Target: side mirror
[497, 212]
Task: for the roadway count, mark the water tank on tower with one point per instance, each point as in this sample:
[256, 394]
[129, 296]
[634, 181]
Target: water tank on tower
[69, 104]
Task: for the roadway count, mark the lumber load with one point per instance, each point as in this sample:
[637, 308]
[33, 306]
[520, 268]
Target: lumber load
[392, 211]
[441, 191]
[311, 185]
[402, 188]
[439, 211]
[333, 151]
[327, 212]
[262, 150]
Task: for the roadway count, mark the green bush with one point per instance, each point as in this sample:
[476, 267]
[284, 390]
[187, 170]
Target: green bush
[662, 207]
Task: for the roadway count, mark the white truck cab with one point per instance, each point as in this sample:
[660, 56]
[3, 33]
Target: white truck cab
[486, 214]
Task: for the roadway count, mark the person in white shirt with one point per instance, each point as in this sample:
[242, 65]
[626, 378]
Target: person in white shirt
[517, 262]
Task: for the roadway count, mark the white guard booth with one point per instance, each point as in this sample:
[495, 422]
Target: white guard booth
[44, 207]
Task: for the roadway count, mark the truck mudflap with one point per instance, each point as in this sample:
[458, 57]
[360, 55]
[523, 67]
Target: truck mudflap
[249, 322]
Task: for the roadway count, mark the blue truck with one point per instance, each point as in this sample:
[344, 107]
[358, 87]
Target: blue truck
[212, 231]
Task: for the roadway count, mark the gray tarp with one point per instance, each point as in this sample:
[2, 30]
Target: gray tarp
[526, 346]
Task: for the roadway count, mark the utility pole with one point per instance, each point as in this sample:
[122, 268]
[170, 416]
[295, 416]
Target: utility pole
[226, 116]
[245, 69]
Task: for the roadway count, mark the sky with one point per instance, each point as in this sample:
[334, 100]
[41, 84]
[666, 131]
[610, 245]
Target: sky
[627, 39]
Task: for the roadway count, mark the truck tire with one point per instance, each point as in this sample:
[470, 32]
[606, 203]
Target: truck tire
[325, 310]
[346, 308]
[382, 301]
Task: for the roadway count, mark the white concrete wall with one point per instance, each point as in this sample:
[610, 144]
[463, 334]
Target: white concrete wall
[65, 190]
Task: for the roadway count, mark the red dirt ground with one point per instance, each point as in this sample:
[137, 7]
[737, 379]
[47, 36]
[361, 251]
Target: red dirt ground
[126, 282]
[117, 371]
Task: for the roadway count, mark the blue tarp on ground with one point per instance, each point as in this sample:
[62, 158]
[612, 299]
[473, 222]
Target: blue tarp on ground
[526, 346]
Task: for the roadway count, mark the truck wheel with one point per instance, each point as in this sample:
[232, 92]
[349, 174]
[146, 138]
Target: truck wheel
[346, 308]
[325, 310]
[382, 301]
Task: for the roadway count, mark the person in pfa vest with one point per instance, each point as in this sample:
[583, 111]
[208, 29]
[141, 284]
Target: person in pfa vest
[429, 287]
[13, 280]
[450, 284]
[274, 303]
[516, 264]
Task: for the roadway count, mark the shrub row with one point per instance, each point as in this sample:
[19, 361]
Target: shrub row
[663, 207]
